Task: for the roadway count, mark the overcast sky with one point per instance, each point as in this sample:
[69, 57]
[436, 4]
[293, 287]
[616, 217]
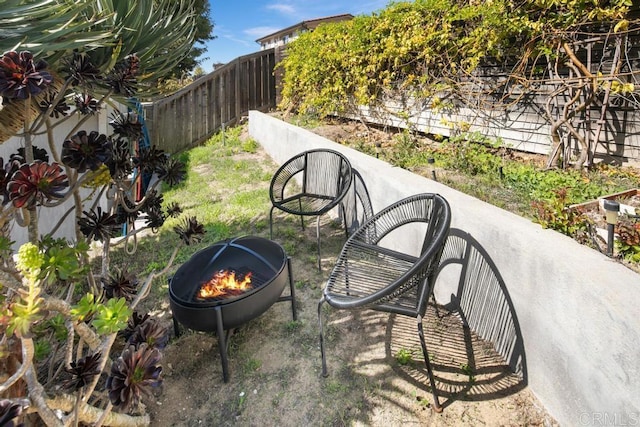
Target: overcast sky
[237, 24]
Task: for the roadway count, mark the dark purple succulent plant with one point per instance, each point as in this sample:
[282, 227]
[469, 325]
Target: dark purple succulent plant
[150, 332]
[174, 210]
[80, 71]
[9, 411]
[152, 201]
[38, 182]
[132, 376]
[6, 172]
[152, 206]
[120, 283]
[135, 320]
[172, 171]
[155, 219]
[60, 109]
[86, 151]
[150, 159]
[38, 154]
[83, 371]
[126, 126]
[190, 231]
[122, 79]
[120, 164]
[98, 225]
[128, 215]
[21, 77]
[86, 104]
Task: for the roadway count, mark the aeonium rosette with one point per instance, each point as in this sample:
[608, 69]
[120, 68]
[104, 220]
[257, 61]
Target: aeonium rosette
[21, 76]
[86, 151]
[38, 182]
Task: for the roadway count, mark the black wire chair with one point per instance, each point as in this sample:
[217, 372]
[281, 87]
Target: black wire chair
[310, 184]
[368, 275]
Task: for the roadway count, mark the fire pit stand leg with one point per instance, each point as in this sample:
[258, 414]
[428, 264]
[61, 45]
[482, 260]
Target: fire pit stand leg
[176, 327]
[222, 344]
[292, 294]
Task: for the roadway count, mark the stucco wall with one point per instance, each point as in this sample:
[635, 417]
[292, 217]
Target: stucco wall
[575, 310]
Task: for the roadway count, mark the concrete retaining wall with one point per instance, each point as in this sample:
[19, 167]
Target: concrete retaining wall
[576, 310]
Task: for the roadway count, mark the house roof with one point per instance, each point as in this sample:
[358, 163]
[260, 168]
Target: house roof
[306, 25]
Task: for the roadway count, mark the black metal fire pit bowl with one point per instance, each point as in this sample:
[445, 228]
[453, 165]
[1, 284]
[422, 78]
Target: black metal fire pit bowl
[271, 271]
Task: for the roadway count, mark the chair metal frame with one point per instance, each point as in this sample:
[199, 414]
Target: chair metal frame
[368, 275]
[311, 184]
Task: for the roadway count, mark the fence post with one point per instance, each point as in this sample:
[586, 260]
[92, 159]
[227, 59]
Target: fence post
[238, 97]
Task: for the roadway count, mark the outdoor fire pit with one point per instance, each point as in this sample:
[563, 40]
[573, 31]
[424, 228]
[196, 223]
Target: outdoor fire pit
[228, 284]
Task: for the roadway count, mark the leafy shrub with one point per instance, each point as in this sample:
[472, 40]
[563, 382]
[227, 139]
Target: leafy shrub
[472, 154]
[628, 242]
[553, 213]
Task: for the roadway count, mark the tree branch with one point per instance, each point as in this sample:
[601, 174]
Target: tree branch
[90, 414]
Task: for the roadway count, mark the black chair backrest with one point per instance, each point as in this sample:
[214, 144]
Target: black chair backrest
[432, 210]
[357, 204]
[326, 173]
[320, 172]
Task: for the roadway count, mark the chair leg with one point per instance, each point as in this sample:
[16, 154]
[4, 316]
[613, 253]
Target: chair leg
[301, 217]
[318, 240]
[344, 220]
[271, 223]
[324, 360]
[436, 402]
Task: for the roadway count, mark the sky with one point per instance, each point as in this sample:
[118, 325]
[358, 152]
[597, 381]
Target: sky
[237, 24]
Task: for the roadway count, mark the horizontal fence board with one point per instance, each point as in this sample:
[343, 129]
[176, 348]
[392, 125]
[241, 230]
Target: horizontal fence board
[523, 127]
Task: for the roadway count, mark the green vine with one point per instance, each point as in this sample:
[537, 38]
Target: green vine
[433, 52]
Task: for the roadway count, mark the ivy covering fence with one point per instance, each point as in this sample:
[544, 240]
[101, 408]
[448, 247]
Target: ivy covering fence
[572, 62]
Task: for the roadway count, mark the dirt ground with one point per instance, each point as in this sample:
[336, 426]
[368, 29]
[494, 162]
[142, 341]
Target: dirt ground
[376, 370]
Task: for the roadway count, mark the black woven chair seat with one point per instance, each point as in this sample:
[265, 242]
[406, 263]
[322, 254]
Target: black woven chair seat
[362, 276]
[307, 204]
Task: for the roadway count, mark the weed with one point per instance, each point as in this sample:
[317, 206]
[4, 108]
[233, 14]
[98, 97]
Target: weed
[334, 386]
[422, 401]
[250, 145]
[293, 326]
[468, 371]
[275, 401]
[308, 121]
[553, 214]
[404, 356]
[251, 365]
[289, 248]
[472, 154]
[242, 397]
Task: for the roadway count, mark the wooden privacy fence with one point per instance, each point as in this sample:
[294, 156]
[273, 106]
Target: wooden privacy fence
[221, 98]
